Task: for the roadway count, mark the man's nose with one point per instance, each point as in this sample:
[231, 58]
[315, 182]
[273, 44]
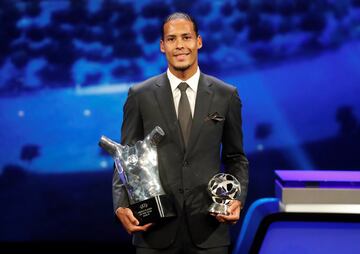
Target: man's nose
[179, 43]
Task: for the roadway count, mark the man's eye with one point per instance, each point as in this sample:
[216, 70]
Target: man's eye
[187, 37]
[170, 39]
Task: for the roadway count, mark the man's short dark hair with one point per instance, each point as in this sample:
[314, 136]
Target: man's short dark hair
[179, 15]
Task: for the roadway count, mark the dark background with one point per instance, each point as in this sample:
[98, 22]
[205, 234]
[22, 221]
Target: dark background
[66, 66]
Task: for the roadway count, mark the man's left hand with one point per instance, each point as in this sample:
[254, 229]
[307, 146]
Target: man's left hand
[234, 213]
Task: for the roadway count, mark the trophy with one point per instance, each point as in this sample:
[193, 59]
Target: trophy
[138, 171]
[223, 189]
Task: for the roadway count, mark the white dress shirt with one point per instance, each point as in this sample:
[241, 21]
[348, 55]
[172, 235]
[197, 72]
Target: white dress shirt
[193, 83]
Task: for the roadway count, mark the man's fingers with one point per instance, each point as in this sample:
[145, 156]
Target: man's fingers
[131, 217]
[232, 217]
[133, 228]
[129, 221]
[146, 226]
[219, 218]
[227, 219]
[234, 207]
[132, 224]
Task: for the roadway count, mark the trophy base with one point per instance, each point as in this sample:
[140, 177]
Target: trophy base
[153, 209]
[218, 208]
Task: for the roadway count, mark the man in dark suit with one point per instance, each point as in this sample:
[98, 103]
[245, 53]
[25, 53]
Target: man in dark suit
[201, 117]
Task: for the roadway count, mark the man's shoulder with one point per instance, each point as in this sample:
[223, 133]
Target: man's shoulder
[218, 83]
[148, 83]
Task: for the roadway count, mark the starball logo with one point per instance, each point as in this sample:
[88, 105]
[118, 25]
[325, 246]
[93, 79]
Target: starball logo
[143, 206]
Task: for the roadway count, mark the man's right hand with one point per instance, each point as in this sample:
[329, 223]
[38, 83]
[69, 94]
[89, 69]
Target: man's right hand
[130, 223]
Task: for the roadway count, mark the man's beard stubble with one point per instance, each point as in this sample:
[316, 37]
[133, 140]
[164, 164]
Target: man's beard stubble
[181, 68]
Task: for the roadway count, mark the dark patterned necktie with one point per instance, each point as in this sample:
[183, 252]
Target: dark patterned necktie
[184, 113]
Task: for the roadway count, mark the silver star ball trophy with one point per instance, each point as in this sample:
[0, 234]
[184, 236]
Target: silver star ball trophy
[223, 189]
[138, 171]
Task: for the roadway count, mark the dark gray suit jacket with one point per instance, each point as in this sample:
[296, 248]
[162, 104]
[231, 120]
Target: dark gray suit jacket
[214, 141]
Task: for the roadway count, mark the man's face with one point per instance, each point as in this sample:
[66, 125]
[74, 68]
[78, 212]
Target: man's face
[180, 45]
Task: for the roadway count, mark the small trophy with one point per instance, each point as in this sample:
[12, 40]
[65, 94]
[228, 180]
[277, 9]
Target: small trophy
[223, 189]
[138, 170]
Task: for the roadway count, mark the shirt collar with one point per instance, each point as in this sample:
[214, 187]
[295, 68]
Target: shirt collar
[193, 81]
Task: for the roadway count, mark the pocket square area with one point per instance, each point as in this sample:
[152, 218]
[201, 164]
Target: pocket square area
[216, 117]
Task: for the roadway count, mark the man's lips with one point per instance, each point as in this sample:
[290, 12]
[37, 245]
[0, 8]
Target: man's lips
[181, 56]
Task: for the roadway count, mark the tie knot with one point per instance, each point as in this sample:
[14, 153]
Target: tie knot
[183, 86]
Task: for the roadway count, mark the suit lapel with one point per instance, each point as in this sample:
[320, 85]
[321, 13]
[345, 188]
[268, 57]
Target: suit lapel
[202, 106]
[165, 100]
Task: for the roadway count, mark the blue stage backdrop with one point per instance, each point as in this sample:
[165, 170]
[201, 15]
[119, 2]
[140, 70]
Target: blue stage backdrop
[66, 66]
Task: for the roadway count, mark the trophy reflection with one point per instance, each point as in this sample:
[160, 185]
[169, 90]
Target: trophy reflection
[223, 189]
[138, 171]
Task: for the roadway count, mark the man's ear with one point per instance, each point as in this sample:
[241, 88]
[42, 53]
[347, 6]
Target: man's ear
[199, 42]
[162, 49]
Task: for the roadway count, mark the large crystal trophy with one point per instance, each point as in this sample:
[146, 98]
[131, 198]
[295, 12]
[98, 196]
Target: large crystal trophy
[223, 189]
[138, 171]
